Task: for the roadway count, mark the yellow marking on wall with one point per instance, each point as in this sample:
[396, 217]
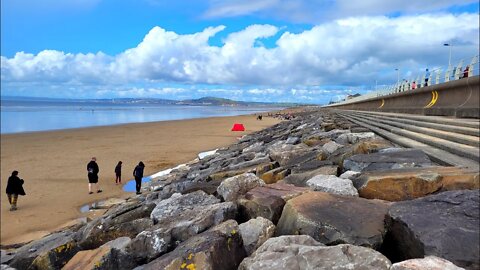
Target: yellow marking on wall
[383, 103]
[434, 99]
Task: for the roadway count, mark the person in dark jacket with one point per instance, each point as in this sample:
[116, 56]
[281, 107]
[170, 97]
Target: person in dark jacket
[14, 188]
[138, 174]
[93, 170]
[118, 173]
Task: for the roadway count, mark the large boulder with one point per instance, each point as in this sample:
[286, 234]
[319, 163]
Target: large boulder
[300, 179]
[176, 220]
[371, 146]
[275, 175]
[406, 158]
[50, 252]
[354, 137]
[231, 188]
[411, 183]
[335, 219]
[268, 201]
[332, 184]
[255, 232]
[303, 252]
[218, 248]
[283, 153]
[331, 147]
[443, 225]
[110, 255]
[427, 263]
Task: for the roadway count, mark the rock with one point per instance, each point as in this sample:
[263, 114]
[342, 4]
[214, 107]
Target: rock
[255, 148]
[332, 184]
[370, 146]
[6, 256]
[263, 168]
[107, 228]
[177, 219]
[50, 252]
[255, 232]
[268, 201]
[443, 225]
[410, 183]
[427, 263]
[407, 158]
[178, 204]
[335, 219]
[283, 153]
[148, 245]
[110, 255]
[218, 248]
[300, 179]
[275, 175]
[238, 185]
[391, 186]
[354, 137]
[191, 214]
[303, 252]
[106, 204]
[293, 140]
[349, 175]
[331, 147]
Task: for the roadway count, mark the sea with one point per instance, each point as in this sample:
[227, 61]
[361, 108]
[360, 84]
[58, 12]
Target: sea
[19, 116]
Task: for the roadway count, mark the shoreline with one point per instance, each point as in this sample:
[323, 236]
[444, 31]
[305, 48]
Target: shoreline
[52, 164]
[247, 112]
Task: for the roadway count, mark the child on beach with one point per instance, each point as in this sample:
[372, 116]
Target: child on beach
[93, 170]
[138, 174]
[118, 173]
[14, 188]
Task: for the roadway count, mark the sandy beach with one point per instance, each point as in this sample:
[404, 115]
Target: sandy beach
[53, 165]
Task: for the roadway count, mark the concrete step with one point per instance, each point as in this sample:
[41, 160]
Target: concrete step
[437, 155]
[461, 122]
[467, 151]
[450, 128]
[430, 145]
[450, 136]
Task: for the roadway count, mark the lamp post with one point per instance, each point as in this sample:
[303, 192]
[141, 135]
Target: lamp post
[398, 75]
[449, 45]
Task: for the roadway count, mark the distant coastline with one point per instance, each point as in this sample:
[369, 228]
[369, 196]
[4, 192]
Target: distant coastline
[20, 115]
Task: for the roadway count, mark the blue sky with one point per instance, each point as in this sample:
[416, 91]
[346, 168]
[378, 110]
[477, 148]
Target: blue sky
[265, 50]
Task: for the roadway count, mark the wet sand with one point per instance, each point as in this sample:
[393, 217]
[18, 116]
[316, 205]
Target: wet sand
[53, 165]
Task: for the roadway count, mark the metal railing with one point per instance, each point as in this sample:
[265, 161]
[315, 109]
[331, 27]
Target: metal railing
[432, 77]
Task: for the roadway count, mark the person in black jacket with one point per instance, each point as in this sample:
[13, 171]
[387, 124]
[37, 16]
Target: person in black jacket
[118, 173]
[138, 174]
[93, 170]
[14, 188]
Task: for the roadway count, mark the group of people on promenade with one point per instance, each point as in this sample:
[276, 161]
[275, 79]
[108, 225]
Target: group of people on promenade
[15, 184]
[93, 170]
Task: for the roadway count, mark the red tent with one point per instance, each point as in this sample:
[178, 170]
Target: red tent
[238, 127]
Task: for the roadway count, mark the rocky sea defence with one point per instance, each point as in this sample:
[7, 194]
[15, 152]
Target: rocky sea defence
[314, 192]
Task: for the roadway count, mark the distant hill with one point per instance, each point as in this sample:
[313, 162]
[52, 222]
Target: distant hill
[204, 101]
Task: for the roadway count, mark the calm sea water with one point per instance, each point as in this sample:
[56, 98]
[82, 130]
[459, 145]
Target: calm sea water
[41, 116]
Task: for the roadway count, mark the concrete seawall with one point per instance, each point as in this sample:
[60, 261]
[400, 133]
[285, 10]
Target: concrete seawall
[458, 98]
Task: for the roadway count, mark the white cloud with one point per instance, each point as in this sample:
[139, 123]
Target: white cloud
[350, 51]
[315, 11]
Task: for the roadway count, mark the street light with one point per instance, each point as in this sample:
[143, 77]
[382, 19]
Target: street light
[398, 75]
[449, 45]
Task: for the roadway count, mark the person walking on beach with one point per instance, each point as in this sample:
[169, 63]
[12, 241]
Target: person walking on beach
[118, 173]
[92, 168]
[138, 174]
[14, 188]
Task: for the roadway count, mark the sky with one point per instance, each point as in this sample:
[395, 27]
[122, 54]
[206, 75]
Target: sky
[306, 51]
